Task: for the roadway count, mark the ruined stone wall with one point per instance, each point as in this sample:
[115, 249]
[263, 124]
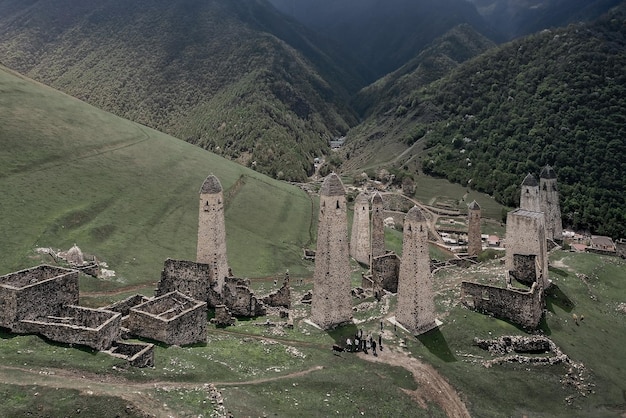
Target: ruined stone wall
[332, 302]
[281, 298]
[173, 319]
[212, 230]
[95, 328]
[240, 300]
[416, 305]
[474, 242]
[137, 354]
[378, 226]
[32, 293]
[524, 308]
[385, 272]
[525, 235]
[123, 306]
[360, 238]
[187, 277]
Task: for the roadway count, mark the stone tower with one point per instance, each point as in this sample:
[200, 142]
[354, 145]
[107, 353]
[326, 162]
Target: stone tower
[416, 305]
[378, 226]
[212, 230]
[549, 201]
[529, 198]
[360, 238]
[474, 243]
[331, 304]
[526, 249]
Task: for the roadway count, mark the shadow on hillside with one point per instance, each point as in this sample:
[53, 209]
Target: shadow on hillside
[556, 297]
[342, 333]
[436, 343]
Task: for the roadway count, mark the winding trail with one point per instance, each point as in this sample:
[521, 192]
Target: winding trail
[432, 386]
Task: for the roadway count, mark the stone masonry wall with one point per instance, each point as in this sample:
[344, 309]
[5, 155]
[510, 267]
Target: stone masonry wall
[95, 328]
[524, 308]
[36, 292]
[187, 277]
[549, 204]
[173, 319]
[385, 272]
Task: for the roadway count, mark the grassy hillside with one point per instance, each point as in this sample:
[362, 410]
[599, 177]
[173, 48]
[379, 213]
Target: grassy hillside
[70, 173]
[553, 98]
[168, 64]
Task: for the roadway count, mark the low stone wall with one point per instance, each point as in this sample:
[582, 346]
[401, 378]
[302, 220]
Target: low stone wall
[136, 354]
[125, 305]
[95, 328]
[240, 299]
[524, 308]
[174, 319]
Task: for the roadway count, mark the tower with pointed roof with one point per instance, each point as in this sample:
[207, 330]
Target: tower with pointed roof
[474, 243]
[378, 226]
[529, 198]
[331, 304]
[360, 237]
[416, 305]
[549, 203]
[211, 248]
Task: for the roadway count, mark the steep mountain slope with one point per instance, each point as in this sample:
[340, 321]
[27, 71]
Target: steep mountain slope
[514, 18]
[384, 35]
[558, 98]
[164, 63]
[71, 173]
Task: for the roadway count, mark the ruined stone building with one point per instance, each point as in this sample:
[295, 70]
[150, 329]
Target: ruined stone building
[211, 247]
[331, 304]
[360, 248]
[526, 248]
[474, 242]
[549, 203]
[529, 197]
[378, 226]
[173, 318]
[416, 305]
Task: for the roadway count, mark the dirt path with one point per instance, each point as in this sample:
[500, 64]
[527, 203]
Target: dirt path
[137, 393]
[432, 386]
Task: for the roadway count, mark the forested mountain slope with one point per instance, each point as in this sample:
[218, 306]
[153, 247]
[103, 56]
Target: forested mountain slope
[558, 98]
[235, 77]
[383, 35]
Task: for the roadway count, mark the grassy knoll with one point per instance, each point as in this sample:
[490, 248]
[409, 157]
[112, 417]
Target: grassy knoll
[70, 173]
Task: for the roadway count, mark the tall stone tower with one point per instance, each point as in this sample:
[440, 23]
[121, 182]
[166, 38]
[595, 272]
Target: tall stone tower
[212, 230]
[474, 243]
[331, 304]
[529, 198]
[549, 201]
[360, 238]
[416, 305]
[378, 226]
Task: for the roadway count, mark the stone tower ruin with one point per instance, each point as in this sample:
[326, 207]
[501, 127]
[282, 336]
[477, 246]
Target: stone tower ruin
[331, 304]
[360, 238]
[526, 249]
[529, 198]
[474, 243]
[416, 305]
[549, 203]
[212, 230]
[378, 226]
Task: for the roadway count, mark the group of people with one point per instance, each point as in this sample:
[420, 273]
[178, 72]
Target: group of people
[359, 343]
